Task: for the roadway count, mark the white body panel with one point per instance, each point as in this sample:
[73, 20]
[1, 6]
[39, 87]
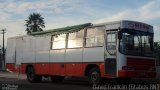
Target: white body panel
[57, 56]
[42, 56]
[28, 50]
[28, 57]
[95, 54]
[121, 61]
[74, 55]
[10, 52]
[112, 26]
[43, 43]
[33, 44]
[42, 48]
[19, 50]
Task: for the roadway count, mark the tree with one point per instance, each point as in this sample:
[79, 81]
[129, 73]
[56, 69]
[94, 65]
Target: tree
[157, 45]
[34, 23]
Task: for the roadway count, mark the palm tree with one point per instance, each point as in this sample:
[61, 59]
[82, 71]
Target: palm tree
[34, 23]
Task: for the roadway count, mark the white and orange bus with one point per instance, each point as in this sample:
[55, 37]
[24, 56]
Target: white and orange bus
[120, 49]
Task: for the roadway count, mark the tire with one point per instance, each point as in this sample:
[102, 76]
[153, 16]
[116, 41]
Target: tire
[57, 79]
[94, 76]
[32, 77]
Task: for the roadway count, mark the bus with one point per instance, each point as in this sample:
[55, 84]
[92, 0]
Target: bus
[119, 50]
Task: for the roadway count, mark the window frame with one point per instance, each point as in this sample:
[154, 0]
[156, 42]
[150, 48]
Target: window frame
[141, 51]
[67, 40]
[85, 37]
[52, 41]
[106, 41]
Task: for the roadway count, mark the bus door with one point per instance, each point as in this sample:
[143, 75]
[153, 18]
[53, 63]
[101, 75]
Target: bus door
[110, 54]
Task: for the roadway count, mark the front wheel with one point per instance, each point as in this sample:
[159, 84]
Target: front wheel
[32, 77]
[94, 76]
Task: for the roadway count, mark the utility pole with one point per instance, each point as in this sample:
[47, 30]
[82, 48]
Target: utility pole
[3, 50]
[0, 53]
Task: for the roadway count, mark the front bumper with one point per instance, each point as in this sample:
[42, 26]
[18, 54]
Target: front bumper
[136, 74]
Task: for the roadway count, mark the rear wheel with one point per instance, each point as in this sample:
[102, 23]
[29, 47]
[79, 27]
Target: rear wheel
[57, 78]
[94, 76]
[32, 77]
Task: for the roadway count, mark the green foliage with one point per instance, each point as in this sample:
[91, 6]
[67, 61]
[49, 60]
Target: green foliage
[34, 23]
[157, 45]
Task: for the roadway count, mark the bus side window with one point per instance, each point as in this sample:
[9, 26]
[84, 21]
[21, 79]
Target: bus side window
[59, 41]
[95, 36]
[111, 43]
[75, 39]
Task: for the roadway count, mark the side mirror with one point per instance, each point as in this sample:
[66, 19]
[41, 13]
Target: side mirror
[119, 35]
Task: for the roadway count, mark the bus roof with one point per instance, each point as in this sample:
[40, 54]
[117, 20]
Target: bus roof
[127, 24]
[62, 30]
[114, 24]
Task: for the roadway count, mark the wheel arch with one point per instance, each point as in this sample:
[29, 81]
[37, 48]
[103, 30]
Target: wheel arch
[89, 67]
[28, 66]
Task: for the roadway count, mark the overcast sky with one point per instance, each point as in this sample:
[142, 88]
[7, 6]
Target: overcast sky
[60, 13]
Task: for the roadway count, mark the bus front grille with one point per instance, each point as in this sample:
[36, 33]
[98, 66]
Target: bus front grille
[140, 64]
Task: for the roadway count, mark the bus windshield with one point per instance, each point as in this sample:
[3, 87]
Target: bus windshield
[134, 42]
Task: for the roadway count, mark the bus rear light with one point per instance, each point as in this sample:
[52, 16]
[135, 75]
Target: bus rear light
[127, 68]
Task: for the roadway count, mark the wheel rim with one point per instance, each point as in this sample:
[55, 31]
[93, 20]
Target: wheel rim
[30, 74]
[95, 77]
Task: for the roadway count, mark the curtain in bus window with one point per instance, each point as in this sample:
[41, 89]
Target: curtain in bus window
[59, 41]
[75, 39]
[95, 36]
